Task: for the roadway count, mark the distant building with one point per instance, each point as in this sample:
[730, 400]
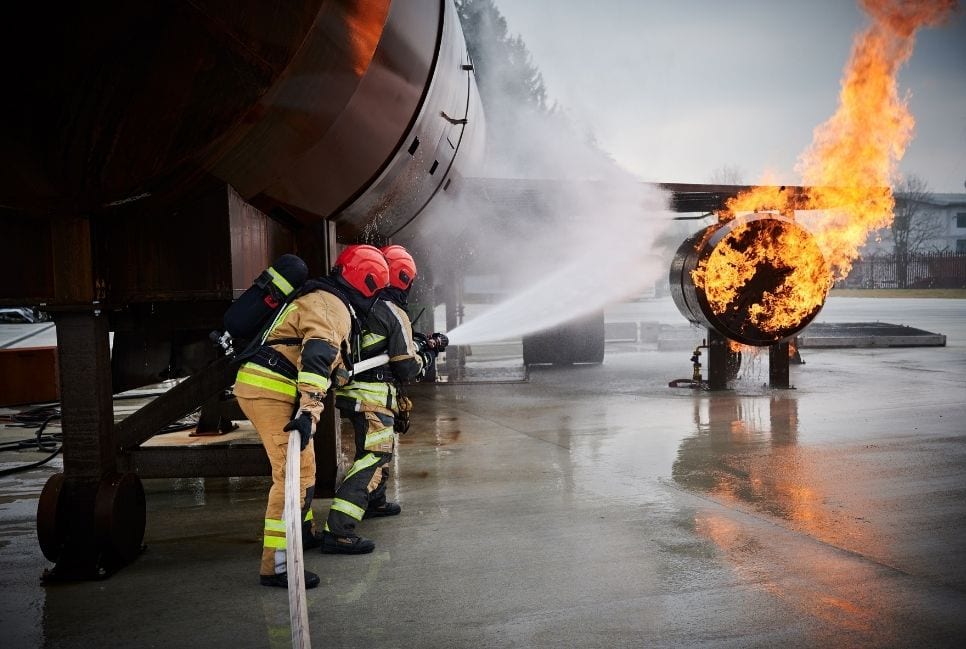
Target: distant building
[941, 224]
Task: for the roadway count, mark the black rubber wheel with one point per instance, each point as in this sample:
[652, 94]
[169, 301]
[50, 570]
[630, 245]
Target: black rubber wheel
[51, 527]
[577, 341]
[120, 517]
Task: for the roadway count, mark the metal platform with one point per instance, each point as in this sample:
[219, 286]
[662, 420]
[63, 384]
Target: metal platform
[867, 334]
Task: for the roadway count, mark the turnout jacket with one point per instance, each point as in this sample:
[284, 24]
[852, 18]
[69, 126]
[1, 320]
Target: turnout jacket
[385, 330]
[303, 353]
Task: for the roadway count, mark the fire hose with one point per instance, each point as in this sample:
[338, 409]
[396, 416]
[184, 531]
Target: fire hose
[298, 608]
[294, 558]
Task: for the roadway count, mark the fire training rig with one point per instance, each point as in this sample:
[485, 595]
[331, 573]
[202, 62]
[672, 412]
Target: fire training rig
[755, 280]
[157, 157]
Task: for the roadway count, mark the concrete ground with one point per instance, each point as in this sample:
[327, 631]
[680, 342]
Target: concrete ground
[591, 506]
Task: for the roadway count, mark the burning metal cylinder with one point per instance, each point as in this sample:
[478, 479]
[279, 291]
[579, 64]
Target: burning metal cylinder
[757, 279]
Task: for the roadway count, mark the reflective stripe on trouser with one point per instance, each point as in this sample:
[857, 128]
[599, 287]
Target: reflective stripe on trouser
[269, 417]
[366, 475]
[367, 394]
[362, 425]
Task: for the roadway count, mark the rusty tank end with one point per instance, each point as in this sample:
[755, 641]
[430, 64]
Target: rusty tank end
[757, 280]
[323, 109]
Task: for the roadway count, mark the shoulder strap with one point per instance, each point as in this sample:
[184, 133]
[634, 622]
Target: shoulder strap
[329, 285]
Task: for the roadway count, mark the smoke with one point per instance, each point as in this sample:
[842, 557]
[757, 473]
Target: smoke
[612, 265]
[551, 219]
[574, 236]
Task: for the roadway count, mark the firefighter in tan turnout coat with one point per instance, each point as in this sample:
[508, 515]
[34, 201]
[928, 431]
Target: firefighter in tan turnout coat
[282, 387]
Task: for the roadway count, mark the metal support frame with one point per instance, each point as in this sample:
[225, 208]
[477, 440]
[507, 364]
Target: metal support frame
[721, 368]
[718, 348]
[211, 421]
[214, 461]
[328, 433]
[778, 361]
[91, 518]
[177, 402]
[67, 514]
[328, 448]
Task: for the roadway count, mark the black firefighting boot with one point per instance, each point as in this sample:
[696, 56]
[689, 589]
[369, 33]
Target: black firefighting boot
[310, 541]
[385, 509]
[345, 544]
[281, 580]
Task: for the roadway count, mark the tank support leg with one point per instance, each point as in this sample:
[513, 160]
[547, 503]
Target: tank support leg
[90, 519]
[718, 350]
[778, 375]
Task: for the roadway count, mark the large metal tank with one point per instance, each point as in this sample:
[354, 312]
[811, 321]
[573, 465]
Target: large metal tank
[154, 156]
[353, 111]
[757, 279]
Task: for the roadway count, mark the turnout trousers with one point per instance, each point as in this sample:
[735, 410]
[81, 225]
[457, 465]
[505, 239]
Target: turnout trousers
[364, 485]
[269, 416]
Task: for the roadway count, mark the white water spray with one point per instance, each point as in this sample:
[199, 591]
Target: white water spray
[616, 259]
[565, 229]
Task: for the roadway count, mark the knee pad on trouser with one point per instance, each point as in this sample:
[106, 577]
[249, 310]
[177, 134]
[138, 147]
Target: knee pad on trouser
[352, 498]
[380, 439]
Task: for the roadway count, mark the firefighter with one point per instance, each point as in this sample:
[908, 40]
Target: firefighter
[281, 389]
[373, 404]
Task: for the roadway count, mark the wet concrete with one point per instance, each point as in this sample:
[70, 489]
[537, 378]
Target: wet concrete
[591, 506]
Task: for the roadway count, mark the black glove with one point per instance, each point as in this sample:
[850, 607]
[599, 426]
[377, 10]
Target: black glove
[437, 342]
[428, 359]
[303, 424]
[421, 341]
[401, 422]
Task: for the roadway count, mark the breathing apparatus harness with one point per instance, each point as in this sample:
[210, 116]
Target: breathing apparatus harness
[265, 354]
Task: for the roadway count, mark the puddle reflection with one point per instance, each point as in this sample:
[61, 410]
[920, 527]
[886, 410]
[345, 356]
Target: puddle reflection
[745, 454]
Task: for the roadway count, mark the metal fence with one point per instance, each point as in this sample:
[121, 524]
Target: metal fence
[932, 270]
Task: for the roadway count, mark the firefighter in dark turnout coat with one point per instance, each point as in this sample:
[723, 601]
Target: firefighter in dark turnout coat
[282, 387]
[376, 408]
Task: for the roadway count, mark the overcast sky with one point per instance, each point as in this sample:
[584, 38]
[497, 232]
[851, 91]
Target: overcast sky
[677, 90]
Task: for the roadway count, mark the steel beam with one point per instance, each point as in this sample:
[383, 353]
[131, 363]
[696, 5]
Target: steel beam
[208, 461]
[175, 403]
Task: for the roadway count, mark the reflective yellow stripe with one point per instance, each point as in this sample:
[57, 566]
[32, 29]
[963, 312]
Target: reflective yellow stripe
[378, 393]
[274, 525]
[279, 319]
[369, 339]
[283, 386]
[314, 379]
[363, 462]
[348, 508]
[384, 435]
[308, 515]
[261, 370]
[279, 280]
[277, 542]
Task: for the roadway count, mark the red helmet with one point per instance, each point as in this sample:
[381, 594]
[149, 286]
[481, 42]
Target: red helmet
[364, 268]
[402, 268]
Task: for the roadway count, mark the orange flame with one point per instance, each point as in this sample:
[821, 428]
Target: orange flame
[851, 164]
[364, 22]
[769, 273]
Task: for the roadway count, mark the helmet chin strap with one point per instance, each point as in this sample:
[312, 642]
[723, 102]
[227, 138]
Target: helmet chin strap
[394, 294]
[359, 302]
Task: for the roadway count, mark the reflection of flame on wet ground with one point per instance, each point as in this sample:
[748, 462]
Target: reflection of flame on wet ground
[744, 456]
[821, 583]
